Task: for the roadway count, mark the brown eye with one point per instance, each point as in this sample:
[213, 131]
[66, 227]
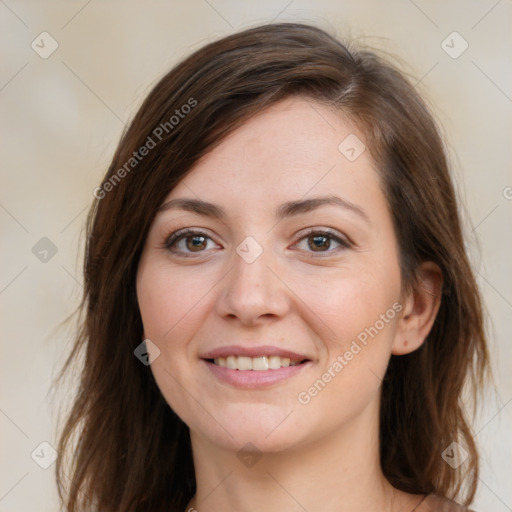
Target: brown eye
[319, 242]
[322, 242]
[186, 242]
[195, 243]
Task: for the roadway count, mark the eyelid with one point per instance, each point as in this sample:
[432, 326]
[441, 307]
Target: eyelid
[180, 234]
[342, 239]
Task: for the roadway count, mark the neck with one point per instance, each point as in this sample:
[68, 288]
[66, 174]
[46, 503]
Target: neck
[341, 470]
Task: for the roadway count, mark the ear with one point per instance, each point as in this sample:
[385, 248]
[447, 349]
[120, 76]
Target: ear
[421, 305]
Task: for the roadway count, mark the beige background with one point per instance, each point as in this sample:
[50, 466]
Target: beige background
[61, 118]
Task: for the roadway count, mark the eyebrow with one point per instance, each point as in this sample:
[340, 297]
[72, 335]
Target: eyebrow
[287, 209]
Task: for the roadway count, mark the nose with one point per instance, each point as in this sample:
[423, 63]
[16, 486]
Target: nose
[253, 291]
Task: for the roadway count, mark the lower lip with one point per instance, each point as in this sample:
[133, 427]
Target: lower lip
[251, 379]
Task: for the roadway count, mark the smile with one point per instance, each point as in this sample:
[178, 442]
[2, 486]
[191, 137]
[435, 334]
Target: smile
[260, 363]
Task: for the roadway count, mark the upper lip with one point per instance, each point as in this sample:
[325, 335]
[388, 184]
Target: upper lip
[253, 351]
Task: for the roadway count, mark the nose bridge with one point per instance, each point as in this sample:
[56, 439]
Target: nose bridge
[251, 288]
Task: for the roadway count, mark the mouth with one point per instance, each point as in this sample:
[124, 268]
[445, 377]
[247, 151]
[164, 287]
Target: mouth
[260, 363]
[254, 367]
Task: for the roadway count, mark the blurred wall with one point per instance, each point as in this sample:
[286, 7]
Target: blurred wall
[73, 74]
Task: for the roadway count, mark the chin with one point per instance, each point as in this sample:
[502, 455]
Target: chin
[268, 430]
[254, 440]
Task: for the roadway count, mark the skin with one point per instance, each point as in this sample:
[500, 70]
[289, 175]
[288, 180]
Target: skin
[315, 302]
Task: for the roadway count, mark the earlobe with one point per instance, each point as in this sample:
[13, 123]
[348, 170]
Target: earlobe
[420, 309]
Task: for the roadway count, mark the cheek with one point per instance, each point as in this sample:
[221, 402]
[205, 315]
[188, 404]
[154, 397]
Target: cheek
[347, 303]
[361, 317]
[171, 299]
[173, 302]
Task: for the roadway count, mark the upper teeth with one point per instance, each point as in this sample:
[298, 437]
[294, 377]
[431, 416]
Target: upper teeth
[254, 363]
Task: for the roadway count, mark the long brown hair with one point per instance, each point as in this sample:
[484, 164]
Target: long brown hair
[122, 447]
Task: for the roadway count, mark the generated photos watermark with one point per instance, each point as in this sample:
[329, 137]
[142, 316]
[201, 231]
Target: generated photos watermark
[137, 156]
[342, 360]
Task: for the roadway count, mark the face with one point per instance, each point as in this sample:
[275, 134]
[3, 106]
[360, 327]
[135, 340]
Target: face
[270, 284]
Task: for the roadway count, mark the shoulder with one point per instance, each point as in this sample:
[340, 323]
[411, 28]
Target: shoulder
[435, 503]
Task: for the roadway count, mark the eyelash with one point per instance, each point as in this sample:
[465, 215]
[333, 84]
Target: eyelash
[174, 238]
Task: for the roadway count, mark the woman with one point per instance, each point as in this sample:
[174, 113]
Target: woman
[279, 313]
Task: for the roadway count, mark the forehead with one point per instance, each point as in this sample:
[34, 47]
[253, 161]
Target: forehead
[291, 149]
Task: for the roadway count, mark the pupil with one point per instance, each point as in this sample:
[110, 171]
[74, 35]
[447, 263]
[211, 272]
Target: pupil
[320, 242]
[198, 242]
